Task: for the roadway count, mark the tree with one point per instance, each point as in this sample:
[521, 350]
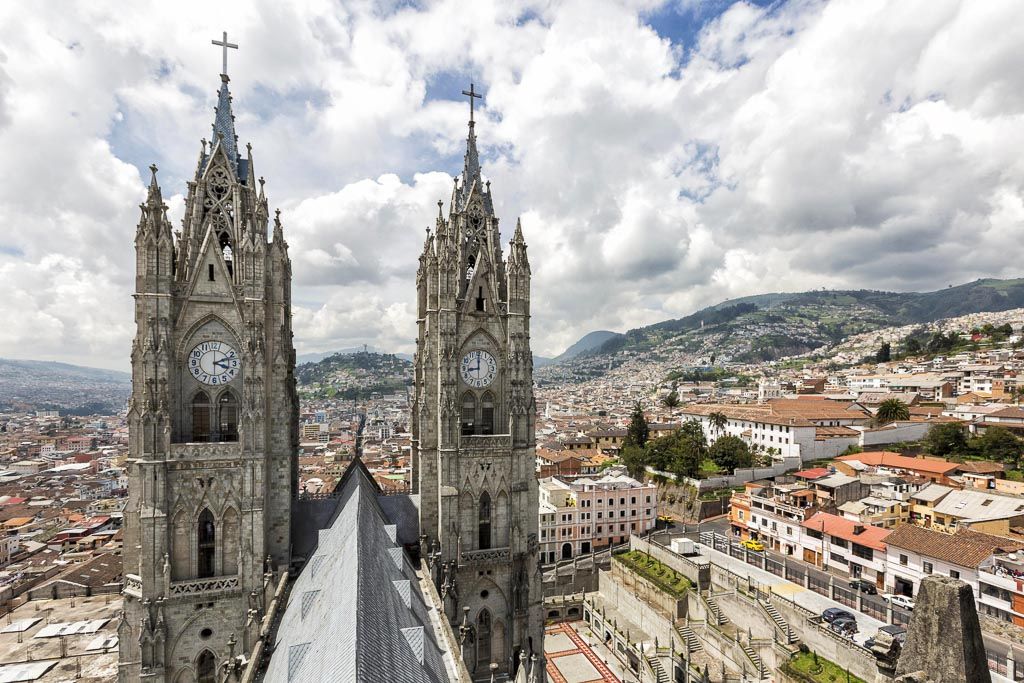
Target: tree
[912, 346]
[660, 453]
[946, 438]
[892, 410]
[672, 400]
[637, 432]
[690, 449]
[718, 421]
[730, 452]
[635, 460]
[999, 443]
[884, 353]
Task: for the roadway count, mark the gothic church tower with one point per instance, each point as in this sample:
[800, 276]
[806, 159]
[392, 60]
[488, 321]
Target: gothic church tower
[213, 421]
[473, 430]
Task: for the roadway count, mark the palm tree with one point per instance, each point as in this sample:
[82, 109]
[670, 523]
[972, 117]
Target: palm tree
[891, 410]
[718, 420]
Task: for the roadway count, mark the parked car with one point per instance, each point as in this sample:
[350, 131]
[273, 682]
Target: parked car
[899, 600]
[753, 544]
[844, 625]
[864, 586]
[833, 613]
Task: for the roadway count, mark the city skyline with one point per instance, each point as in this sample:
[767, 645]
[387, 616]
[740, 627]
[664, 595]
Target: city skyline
[663, 156]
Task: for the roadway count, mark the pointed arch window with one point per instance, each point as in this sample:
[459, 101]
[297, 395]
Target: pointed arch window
[487, 413]
[225, 248]
[201, 414]
[483, 639]
[207, 544]
[227, 416]
[206, 668]
[485, 521]
[468, 420]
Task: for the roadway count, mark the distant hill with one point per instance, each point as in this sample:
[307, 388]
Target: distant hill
[317, 357]
[770, 326]
[48, 385]
[589, 342]
[354, 375]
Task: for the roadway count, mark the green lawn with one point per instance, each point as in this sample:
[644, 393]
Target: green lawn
[803, 667]
[664, 577]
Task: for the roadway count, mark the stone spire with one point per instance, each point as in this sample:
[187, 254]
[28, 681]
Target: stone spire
[517, 253]
[224, 123]
[154, 198]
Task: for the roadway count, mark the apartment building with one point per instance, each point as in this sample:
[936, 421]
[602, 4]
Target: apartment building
[944, 508]
[588, 514]
[992, 565]
[772, 512]
[857, 550]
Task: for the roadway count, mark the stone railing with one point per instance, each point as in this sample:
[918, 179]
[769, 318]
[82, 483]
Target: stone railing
[133, 585]
[485, 441]
[225, 449]
[217, 584]
[484, 556]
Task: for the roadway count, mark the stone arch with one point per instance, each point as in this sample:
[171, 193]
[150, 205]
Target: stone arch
[188, 341]
[185, 675]
[206, 667]
[181, 544]
[500, 530]
[567, 551]
[229, 541]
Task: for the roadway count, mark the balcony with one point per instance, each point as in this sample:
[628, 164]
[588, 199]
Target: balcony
[206, 449]
[133, 585]
[1000, 578]
[483, 442]
[205, 587]
[489, 556]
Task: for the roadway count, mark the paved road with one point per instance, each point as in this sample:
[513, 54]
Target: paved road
[804, 597]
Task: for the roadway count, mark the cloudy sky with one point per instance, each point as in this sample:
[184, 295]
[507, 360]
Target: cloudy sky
[663, 156]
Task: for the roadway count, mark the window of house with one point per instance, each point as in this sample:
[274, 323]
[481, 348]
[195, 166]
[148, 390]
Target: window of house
[926, 567]
[903, 560]
[954, 574]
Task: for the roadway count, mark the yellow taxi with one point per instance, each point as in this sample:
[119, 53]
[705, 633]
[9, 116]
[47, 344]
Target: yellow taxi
[753, 544]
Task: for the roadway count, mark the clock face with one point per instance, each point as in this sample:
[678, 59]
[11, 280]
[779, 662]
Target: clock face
[214, 363]
[478, 369]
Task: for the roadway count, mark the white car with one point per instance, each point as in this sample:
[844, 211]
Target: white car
[899, 600]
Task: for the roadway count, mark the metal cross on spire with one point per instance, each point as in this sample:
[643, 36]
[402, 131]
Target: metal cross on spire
[224, 45]
[471, 94]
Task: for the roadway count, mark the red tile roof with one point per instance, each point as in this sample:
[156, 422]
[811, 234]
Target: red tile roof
[813, 473]
[840, 527]
[903, 462]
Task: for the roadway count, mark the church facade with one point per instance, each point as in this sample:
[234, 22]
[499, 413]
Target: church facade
[213, 420]
[473, 444]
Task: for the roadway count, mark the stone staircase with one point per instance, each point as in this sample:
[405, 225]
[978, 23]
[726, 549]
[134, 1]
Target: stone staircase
[715, 614]
[659, 671]
[689, 638]
[754, 659]
[780, 623]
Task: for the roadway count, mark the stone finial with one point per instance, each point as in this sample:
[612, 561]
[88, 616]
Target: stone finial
[944, 640]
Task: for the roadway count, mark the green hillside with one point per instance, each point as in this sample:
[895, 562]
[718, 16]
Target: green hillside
[770, 326]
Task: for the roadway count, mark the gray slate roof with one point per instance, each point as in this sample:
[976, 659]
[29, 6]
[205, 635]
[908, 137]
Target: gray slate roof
[356, 612]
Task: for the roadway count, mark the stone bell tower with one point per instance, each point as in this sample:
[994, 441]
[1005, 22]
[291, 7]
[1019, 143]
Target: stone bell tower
[213, 420]
[473, 429]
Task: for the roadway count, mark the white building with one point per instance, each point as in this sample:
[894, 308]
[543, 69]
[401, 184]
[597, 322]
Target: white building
[991, 565]
[592, 513]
